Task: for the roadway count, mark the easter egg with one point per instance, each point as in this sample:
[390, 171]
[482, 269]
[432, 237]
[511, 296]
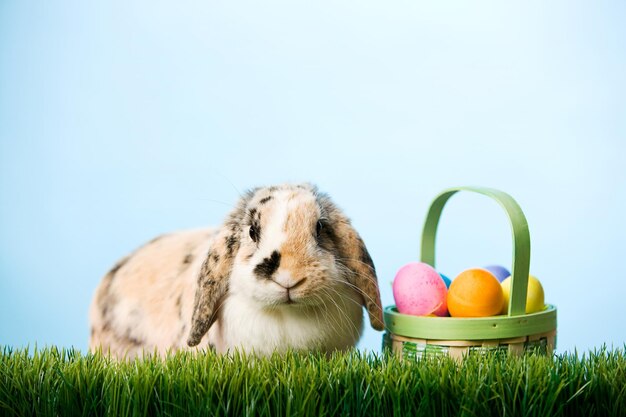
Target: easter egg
[446, 280]
[499, 272]
[419, 290]
[535, 299]
[475, 293]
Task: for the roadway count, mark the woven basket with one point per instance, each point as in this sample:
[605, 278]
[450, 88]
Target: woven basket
[413, 337]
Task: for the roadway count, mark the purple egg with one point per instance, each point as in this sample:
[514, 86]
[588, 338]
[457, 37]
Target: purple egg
[499, 272]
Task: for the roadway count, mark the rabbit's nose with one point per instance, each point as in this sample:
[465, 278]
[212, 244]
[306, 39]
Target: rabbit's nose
[286, 280]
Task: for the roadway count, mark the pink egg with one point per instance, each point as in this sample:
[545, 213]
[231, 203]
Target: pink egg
[419, 290]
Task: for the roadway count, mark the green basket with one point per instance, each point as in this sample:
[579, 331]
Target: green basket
[417, 336]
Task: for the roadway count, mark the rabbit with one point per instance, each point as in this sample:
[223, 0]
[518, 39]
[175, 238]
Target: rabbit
[286, 271]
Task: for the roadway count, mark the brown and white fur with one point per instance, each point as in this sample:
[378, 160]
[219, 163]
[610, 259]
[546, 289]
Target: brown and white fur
[285, 271]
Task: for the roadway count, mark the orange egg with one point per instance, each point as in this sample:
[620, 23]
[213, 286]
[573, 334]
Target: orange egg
[475, 293]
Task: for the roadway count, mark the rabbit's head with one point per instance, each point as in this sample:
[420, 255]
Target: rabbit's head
[287, 246]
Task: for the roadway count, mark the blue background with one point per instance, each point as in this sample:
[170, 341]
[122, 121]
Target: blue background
[126, 119]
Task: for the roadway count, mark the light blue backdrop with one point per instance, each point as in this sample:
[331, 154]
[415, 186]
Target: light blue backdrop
[123, 120]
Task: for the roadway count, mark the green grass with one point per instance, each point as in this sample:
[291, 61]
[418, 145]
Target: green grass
[53, 382]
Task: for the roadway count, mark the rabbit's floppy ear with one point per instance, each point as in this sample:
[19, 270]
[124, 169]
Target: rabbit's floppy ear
[215, 272]
[354, 255]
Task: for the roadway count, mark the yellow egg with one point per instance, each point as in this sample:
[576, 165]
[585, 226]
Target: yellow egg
[535, 299]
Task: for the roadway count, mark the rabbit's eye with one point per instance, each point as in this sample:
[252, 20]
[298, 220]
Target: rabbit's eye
[254, 234]
[318, 228]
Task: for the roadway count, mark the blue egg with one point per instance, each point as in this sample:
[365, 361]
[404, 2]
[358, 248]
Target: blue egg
[500, 272]
[446, 280]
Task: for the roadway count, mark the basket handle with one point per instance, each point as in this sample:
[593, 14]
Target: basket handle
[521, 240]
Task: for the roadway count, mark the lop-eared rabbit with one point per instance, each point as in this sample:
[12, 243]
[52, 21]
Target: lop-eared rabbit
[285, 271]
